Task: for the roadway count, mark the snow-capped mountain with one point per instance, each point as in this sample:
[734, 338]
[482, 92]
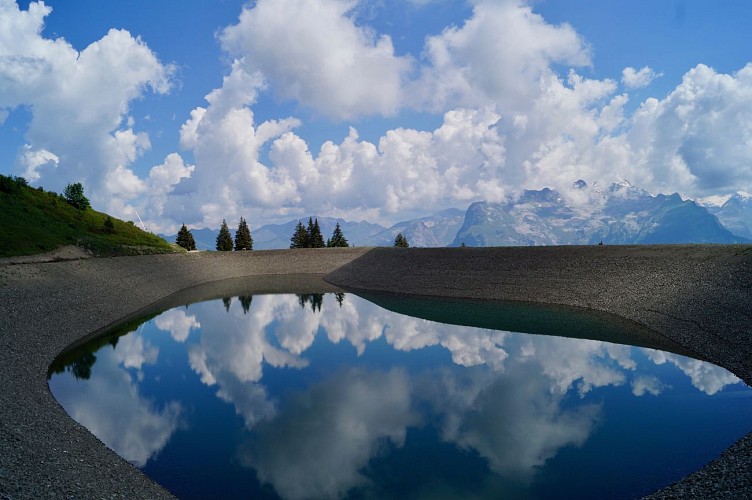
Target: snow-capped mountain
[436, 230]
[734, 211]
[619, 214]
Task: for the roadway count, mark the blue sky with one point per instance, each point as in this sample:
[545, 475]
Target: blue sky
[195, 111]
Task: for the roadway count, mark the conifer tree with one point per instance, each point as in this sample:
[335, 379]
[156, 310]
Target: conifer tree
[224, 238]
[185, 239]
[245, 302]
[315, 239]
[400, 241]
[243, 240]
[299, 237]
[338, 239]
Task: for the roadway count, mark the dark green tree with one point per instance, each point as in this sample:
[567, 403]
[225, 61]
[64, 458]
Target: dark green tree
[338, 239]
[245, 302]
[185, 239]
[400, 241]
[109, 225]
[74, 194]
[340, 298]
[81, 368]
[299, 237]
[227, 301]
[243, 240]
[224, 238]
[314, 299]
[315, 238]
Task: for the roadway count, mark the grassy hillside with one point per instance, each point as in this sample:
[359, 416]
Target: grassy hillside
[34, 221]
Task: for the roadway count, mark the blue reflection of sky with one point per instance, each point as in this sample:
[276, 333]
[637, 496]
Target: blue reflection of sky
[277, 399]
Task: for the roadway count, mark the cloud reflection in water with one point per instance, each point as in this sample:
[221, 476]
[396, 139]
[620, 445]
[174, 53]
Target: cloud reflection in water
[514, 400]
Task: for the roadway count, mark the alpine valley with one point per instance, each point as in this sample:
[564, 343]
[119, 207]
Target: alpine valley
[584, 215]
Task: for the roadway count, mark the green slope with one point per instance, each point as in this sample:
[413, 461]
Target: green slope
[34, 221]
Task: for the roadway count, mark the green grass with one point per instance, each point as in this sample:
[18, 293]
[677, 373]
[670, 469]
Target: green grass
[34, 221]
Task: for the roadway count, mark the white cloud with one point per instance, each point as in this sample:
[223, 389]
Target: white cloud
[79, 102]
[313, 52]
[110, 406]
[516, 422]
[705, 377]
[178, 323]
[34, 160]
[647, 385]
[318, 445]
[698, 140]
[134, 352]
[499, 56]
[511, 118]
[633, 79]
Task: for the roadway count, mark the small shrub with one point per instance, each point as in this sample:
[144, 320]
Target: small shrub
[109, 225]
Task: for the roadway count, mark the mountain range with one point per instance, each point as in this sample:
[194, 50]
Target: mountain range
[585, 215]
[619, 214]
[734, 212]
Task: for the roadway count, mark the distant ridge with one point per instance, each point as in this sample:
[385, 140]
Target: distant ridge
[619, 214]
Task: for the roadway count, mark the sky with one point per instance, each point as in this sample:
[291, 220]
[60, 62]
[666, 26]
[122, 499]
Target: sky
[194, 111]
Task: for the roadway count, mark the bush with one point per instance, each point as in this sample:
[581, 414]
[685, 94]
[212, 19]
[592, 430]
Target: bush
[109, 225]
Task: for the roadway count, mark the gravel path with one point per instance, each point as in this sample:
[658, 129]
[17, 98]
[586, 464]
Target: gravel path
[697, 296]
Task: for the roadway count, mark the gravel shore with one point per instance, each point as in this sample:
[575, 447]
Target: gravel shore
[699, 297]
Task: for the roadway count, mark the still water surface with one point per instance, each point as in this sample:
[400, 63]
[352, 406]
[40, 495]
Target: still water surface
[332, 396]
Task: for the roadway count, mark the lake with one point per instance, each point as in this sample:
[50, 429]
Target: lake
[335, 396]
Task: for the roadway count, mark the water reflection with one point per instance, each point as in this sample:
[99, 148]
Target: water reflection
[111, 405]
[330, 388]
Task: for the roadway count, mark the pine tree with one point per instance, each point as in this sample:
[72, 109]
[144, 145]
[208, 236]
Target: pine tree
[299, 237]
[338, 239]
[224, 238]
[315, 239]
[400, 241]
[243, 240]
[245, 302]
[185, 239]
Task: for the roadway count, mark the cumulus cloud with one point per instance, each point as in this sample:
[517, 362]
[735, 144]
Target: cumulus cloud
[178, 323]
[647, 385]
[634, 79]
[323, 437]
[79, 103]
[314, 53]
[516, 421]
[517, 114]
[32, 161]
[697, 140]
[498, 56]
[133, 351]
[112, 408]
[705, 377]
